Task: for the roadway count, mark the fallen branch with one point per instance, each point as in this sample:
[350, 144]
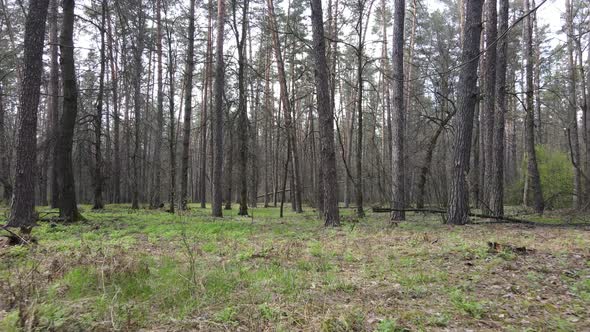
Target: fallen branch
[16, 236]
[477, 215]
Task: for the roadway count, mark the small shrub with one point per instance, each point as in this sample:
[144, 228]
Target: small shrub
[390, 325]
[353, 321]
[10, 323]
[227, 316]
[555, 169]
[473, 308]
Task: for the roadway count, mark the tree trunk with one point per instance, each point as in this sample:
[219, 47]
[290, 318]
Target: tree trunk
[172, 132]
[243, 114]
[22, 210]
[573, 109]
[53, 102]
[398, 125]
[489, 100]
[289, 125]
[116, 182]
[156, 200]
[4, 161]
[268, 116]
[217, 132]
[497, 175]
[359, 109]
[254, 162]
[98, 180]
[537, 77]
[458, 209]
[474, 173]
[326, 120]
[228, 172]
[188, 108]
[204, 120]
[138, 69]
[67, 206]
[532, 169]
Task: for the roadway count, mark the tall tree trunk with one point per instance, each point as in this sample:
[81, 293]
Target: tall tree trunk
[253, 151]
[537, 77]
[156, 200]
[229, 159]
[398, 125]
[467, 98]
[289, 125]
[351, 117]
[489, 100]
[268, 116]
[217, 132]
[386, 144]
[534, 178]
[410, 71]
[138, 69]
[326, 119]
[243, 114]
[474, 173]
[22, 210]
[68, 208]
[497, 175]
[188, 107]
[587, 129]
[573, 108]
[585, 118]
[53, 102]
[172, 131]
[98, 180]
[204, 120]
[4, 160]
[116, 181]
[359, 109]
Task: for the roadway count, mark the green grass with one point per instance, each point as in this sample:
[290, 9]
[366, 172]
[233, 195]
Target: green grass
[130, 270]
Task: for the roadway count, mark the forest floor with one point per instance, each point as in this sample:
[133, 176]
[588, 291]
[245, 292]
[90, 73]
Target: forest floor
[152, 271]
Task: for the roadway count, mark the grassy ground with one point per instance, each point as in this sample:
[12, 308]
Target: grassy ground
[148, 270]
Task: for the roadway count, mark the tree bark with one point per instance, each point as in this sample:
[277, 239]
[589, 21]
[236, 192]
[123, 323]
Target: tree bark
[359, 109]
[489, 100]
[204, 120]
[537, 77]
[138, 69]
[398, 117]
[217, 132]
[53, 102]
[22, 210]
[534, 178]
[156, 199]
[68, 208]
[98, 180]
[326, 119]
[289, 125]
[573, 108]
[172, 131]
[4, 161]
[188, 108]
[501, 107]
[243, 114]
[458, 208]
[116, 181]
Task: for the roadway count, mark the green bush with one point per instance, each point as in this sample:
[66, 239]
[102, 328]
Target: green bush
[556, 172]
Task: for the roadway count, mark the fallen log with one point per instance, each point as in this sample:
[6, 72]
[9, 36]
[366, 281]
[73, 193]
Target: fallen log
[477, 215]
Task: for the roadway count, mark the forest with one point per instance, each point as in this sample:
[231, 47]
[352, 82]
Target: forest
[294, 165]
